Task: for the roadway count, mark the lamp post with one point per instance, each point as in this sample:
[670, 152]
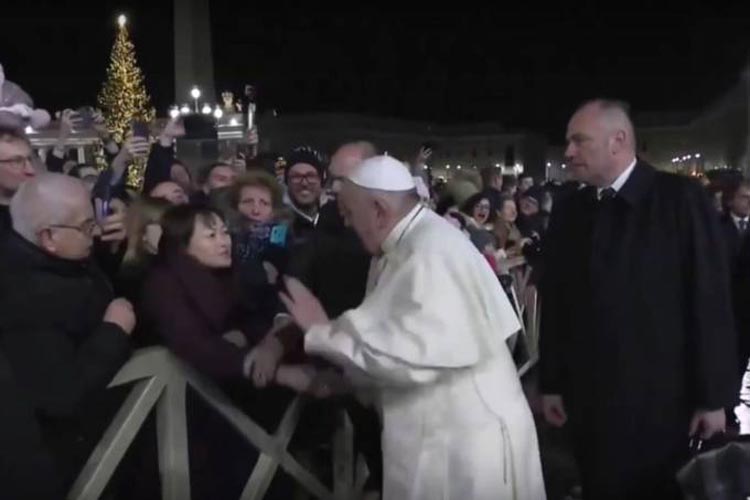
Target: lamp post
[195, 93]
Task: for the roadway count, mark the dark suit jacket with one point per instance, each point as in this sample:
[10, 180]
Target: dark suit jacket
[732, 239]
[637, 329]
[332, 262]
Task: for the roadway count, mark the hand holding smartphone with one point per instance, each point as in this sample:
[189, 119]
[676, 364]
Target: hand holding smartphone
[140, 129]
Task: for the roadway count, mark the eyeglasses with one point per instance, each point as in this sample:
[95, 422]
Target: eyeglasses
[18, 162]
[311, 178]
[87, 228]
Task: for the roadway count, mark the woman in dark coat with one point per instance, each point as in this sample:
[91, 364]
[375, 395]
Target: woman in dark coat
[190, 301]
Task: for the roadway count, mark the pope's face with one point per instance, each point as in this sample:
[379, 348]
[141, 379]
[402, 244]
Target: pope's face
[362, 214]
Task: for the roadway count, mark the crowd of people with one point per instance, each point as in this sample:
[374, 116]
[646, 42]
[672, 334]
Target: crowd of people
[642, 290]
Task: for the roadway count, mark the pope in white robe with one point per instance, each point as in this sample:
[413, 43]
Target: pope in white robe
[429, 338]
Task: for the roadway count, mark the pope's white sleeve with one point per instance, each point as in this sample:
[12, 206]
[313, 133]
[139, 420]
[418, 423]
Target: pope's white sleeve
[424, 318]
[363, 366]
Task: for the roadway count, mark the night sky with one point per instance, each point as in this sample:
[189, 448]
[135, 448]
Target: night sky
[523, 66]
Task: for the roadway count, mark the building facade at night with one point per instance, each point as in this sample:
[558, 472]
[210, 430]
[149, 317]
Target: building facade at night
[456, 147]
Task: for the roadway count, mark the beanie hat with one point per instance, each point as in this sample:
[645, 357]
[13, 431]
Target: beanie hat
[306, 154]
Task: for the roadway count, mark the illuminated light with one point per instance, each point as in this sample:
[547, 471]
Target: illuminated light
[447, 167]
[206, 109]
[497, 165]
[174, 112]
[185, 110]
[697, 155]
[458, 167]
[29, 129]
[195, 93]
[122, 20]
[549, 164]
[233, 122]
[218, 113]
[563, 165]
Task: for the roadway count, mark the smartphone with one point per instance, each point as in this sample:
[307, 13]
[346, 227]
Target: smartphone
[140, 129]
[278, 235]
[101, 209]
[86, 115]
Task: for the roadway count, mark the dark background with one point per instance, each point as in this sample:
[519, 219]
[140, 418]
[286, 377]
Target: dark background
[525, 65]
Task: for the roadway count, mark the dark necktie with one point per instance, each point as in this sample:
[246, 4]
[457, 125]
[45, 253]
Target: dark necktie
[742, 223]
[607, 194]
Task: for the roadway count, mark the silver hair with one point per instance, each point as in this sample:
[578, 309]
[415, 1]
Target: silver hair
[42, 201]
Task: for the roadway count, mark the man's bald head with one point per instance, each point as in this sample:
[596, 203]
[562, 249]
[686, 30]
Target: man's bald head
[601, 142]
[346, 158]
[53, 201]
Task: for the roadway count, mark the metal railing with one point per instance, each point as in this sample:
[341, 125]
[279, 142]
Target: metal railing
[161, 381]
[525, 299]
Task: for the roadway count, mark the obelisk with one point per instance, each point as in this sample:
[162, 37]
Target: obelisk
[193, 56]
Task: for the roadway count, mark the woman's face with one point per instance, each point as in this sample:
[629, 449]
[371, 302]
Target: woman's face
[509, 213]
[255, 204]
[151, 237]
[481, 212]
[211, 244]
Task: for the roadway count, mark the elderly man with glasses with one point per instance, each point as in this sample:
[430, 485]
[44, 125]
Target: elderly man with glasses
[62, 331]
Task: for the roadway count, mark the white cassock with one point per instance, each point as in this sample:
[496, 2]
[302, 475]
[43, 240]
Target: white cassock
[430, 336]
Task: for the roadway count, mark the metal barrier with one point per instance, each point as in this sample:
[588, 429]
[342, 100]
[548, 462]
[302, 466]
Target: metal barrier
[161, 382]
[525, 299]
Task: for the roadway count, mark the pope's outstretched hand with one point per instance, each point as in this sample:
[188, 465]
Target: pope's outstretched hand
[302, 305]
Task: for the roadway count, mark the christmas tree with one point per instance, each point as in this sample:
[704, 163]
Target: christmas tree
[123, 97]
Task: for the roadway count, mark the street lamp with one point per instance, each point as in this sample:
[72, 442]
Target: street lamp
[195, 93]
[206, 109]
[233, 122]
[218, 113]
[174, 112]
[185, 110]
[121, 20]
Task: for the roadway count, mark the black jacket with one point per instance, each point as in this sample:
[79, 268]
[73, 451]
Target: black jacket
[5, 222]
[332, 262]
[27, 471]
[62, 354]
[637, 330]
[733, 240]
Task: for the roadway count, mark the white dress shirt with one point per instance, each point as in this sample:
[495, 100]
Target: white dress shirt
[620, 181]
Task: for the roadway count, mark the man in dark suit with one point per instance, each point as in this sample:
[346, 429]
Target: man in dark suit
[735, 224]
[638, 344]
